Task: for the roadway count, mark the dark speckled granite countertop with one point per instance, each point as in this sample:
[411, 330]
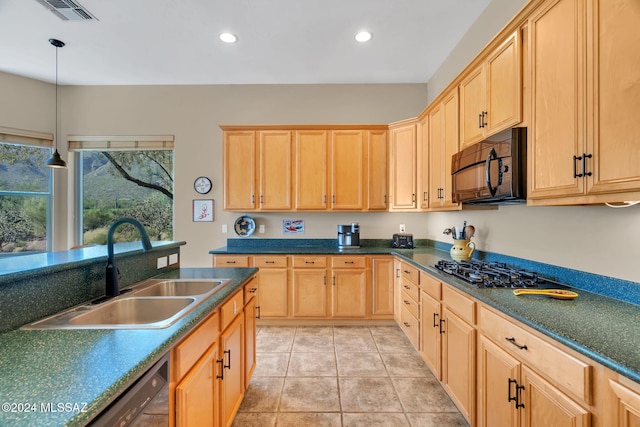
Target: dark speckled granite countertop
[88, 369]
[603, 328]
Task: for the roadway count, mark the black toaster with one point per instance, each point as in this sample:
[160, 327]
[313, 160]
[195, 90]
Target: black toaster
[402, 241]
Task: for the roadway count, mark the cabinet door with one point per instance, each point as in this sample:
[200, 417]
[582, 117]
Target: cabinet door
[436, 158]
[430, 336]
[309, 292]
[311, 167]
[625, 412]
[349, 293]
[403, 167]
[382, 281]
[450, 141]
[250, 315]
[545, 405]
[273, 292]
[424, 167]
[377, 166]
[275, 160]
[397, 289]
[616, 139]
[458, 363]
[197, 394]
[347, 170]
[504, 86]
[556, 133]
[232, 385]
[472, 107]
[495, 370]
[239, 166]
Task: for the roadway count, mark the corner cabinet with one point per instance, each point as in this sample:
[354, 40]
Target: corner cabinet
[491, 95]
[403, 170]
[584, 137]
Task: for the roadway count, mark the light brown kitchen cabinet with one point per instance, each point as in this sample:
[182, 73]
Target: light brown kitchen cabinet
[273, 285]
[309, 286]
[239, 169]
[443, 144]
[410, 302]
[348, 187]
[585, 135]
[348, 287]
[198, 392]
[431, 323]
[231, 261]
[625, 408]
[382, 270]
[525, 381]
[311, 170]
[275, 157]
[232, 385]
[251, 314]
[424, 165]
[491, 94]
[403, 166]
[378, 171]
[397, 284]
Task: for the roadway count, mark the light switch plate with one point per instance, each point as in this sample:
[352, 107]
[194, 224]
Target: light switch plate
[162, 262]
[173, 259]
[402, 228]
[224, 228]
[261, 228]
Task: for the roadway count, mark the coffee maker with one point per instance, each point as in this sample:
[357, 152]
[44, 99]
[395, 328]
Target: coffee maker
[349, 236]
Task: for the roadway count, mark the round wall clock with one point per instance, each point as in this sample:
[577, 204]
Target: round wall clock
[202, 185]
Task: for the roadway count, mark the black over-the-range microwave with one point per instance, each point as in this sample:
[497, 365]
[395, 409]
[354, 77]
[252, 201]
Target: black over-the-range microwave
[493, 171]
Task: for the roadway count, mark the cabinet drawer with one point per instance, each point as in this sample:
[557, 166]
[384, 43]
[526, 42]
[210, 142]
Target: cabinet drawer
[301, 261]
[250, 290]
[430, 285]
[270, 261]
[411, 273]
[460, 304]
[230, 309]
[412, 290]
[563, 369]
[410, 304]
[231, 261]
[348, 262]
[187, 353]
[409, 325]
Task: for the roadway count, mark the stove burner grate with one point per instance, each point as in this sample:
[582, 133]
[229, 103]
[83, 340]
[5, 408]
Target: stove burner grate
[491, 274]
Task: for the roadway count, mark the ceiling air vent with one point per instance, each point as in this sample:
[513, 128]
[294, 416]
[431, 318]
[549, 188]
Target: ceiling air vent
[68, 10]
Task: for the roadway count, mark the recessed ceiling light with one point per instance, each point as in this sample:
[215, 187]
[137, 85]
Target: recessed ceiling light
[228, 38]
[363, 36]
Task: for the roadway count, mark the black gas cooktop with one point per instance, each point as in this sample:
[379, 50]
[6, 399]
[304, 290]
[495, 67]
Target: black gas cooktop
[495, 275]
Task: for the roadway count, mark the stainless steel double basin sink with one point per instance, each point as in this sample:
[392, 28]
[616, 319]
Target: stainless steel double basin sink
[152, 304]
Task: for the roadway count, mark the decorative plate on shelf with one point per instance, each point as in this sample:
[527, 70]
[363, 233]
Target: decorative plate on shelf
[244, 226]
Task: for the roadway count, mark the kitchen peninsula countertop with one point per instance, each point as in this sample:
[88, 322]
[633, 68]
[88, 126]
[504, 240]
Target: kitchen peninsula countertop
[602, 328]
[67, 377]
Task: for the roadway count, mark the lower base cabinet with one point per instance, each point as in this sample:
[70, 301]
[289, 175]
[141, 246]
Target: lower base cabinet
[232, 384]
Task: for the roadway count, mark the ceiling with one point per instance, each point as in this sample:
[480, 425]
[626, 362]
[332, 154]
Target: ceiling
[142, 42]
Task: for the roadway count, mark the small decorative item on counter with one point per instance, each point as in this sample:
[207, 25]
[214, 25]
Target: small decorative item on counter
[463, 247]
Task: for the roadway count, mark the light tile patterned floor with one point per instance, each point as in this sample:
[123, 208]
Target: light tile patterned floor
[342, 376]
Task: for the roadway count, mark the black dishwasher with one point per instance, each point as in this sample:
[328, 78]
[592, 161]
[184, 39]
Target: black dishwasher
[144, 403]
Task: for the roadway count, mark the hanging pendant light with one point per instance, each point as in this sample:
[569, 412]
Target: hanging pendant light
[56, 161]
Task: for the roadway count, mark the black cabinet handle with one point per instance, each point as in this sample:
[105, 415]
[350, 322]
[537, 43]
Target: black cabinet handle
[309, 262]
[435, 320]
[407, 302]
[269, 262]
[408, 325]
[586, 156]
[258, 310]
[424, 196]
[441, 326]
[480, 120]
[516, 397]
[513, 341]
[221, 362]
[228, 366]
[575, 167]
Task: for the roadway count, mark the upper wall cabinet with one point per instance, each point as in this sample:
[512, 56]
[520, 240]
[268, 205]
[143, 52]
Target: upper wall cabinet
[491, 94]
[280, 169]
[584, 139]
[403, 172]
[257, 160]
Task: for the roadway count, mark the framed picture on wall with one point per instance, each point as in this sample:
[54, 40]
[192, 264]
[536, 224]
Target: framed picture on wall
[203, 211]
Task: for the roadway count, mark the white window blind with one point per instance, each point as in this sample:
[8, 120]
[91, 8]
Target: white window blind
[25, 137]
[120, 143]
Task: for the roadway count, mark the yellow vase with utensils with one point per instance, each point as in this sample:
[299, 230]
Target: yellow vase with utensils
[462, 250]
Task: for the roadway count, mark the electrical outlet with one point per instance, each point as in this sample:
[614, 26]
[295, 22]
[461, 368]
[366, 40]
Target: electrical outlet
[162, 262]
[261, 228]
[225, 230]
[402, 228]
[173, 259]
